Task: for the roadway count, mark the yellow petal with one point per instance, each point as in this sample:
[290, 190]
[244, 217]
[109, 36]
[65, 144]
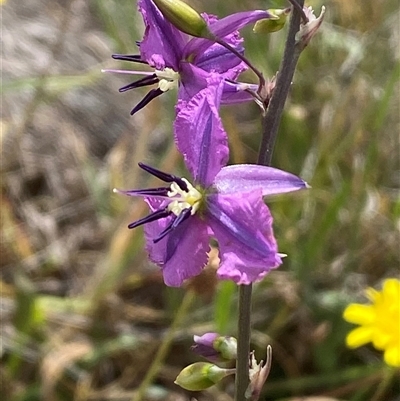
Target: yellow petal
[381, 339]
[358, 337]
[391, 290]
[392, 356]
[359, 314]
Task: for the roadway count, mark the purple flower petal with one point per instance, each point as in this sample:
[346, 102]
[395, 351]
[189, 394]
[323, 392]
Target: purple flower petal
[206, 339]
[237, 92]
[162, 43]
[237, 21]
[242, 224]
[223, 28]
[204, 346]
[199, 133]
[213, 57]
[183, 252]
[249, 177]
[219, 59]
[192, 80]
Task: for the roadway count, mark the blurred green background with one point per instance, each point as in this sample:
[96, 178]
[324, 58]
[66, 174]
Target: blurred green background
[83, 312]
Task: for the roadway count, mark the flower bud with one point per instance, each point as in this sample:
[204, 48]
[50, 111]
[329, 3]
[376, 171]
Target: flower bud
[183, 17]
[273, 24]
[201, 375]
[215, 348]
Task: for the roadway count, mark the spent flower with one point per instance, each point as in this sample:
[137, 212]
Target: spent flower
[258, 374]
[379, 322]
[225, 202]
[310, 28]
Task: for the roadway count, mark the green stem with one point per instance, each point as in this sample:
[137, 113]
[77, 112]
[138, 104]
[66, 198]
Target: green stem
[165, 346]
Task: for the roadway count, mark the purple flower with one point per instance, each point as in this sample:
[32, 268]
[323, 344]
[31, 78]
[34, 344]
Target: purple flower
[225, 203]
[185, 62]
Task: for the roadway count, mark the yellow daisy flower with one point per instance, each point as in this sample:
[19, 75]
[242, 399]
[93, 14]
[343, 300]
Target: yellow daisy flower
[379, 322]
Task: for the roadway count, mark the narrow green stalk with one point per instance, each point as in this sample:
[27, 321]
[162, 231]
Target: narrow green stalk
[162, 352]
[243, 347]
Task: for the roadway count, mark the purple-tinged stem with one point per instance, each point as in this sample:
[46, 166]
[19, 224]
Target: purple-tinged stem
[299, 8]
[243, 345]
[272, 117]
[270, 125]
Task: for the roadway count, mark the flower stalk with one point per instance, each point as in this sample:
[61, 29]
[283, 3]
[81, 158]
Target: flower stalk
[272, 117]
[270, 125]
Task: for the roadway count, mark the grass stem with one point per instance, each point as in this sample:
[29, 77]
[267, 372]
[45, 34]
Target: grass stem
[162, 352]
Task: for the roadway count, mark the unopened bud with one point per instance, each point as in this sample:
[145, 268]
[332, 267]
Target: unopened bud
[215, 348]
[273, 24]
[201, 375]
[183, 17]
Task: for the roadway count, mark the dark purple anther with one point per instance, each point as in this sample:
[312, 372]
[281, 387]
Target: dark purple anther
[146, 81]
[146, 100]
[162, 191]
[135, 58]
[184, 215]
[158, 214]
[164, 176]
